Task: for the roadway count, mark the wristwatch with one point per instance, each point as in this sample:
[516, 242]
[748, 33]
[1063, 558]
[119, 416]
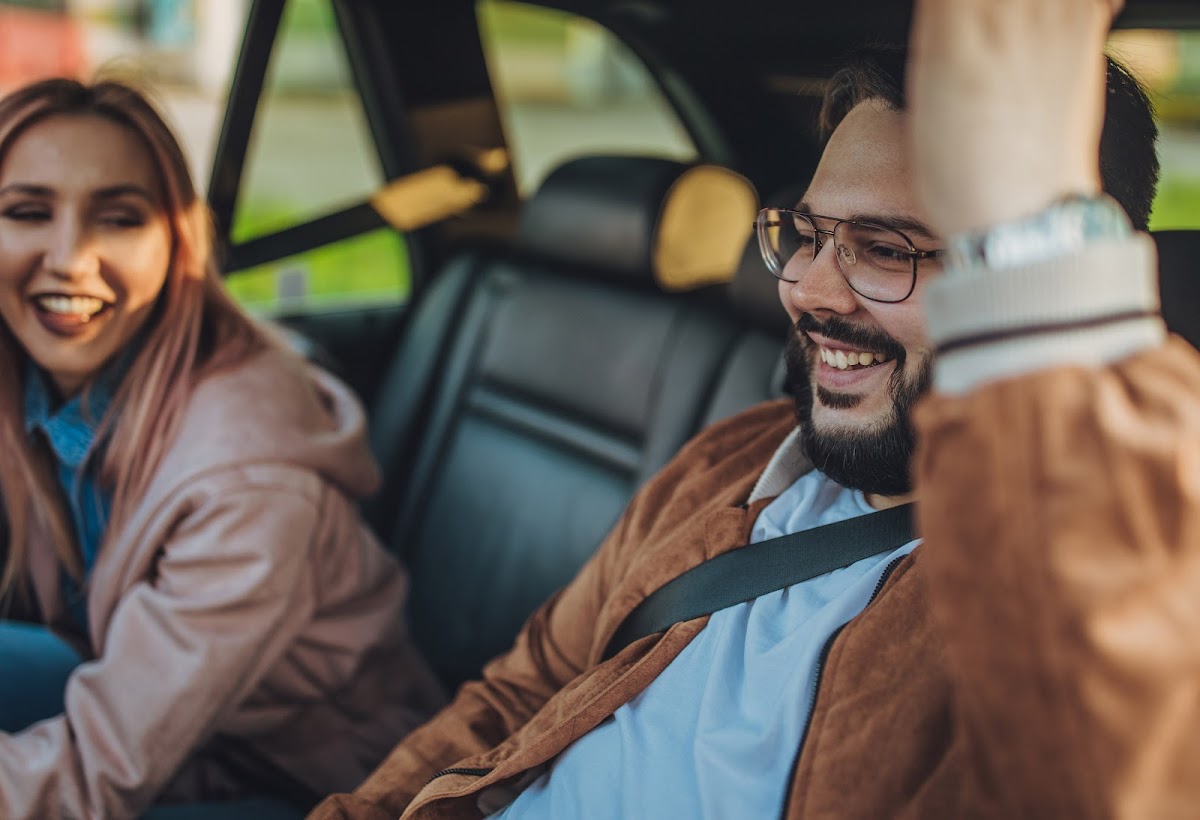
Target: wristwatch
[1065, 226]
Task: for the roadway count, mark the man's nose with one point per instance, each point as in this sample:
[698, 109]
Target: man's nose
[71, 252]
[818, 284]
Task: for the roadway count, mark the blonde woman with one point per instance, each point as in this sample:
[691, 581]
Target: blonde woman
[193, 610]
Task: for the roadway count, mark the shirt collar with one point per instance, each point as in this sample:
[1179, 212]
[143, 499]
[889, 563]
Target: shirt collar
[71, 428]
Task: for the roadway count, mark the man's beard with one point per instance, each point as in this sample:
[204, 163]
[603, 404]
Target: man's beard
[877, 458]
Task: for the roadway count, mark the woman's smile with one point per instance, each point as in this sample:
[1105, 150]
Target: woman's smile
[70, 316]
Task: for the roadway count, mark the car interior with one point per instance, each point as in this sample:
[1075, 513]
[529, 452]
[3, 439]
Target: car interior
[560, 341]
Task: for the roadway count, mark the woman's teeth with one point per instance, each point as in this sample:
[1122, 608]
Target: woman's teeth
[843, 359]
[86, 306]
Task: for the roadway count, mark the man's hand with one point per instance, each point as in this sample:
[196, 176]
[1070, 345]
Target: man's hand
[1006, 104]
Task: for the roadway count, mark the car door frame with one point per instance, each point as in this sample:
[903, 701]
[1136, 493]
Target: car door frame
[340, 332]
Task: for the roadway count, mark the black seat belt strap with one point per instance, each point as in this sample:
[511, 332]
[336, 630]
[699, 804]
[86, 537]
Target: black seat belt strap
[756, 569]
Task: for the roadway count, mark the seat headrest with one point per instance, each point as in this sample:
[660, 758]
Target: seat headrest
[642, 219]
[1179, 281]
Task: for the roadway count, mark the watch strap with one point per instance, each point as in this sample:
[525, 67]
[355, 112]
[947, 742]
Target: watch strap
[1062, 228]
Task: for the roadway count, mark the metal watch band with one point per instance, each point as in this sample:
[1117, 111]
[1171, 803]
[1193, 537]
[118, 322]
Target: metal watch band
[1063, 227]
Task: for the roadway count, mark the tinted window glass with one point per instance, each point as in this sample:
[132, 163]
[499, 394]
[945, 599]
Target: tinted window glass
[310, 150]
[567, 87]
[311, 153]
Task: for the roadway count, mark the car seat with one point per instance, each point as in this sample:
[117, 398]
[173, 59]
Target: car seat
[537, 386]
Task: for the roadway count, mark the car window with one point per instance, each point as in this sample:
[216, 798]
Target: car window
[1168, 62]
[566, 86]
[311, 153]
[308, 109]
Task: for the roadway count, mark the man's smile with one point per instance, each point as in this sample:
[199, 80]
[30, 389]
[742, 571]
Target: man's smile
[843, 359]
[841, 366]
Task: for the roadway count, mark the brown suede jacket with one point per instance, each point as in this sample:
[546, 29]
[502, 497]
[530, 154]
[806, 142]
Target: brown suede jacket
[1037, 657]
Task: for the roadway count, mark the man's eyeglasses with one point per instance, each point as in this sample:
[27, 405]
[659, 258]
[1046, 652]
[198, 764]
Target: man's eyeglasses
[879, 263]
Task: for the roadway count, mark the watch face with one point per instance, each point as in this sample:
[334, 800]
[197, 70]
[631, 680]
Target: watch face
[1059, 229]
[1013, 245]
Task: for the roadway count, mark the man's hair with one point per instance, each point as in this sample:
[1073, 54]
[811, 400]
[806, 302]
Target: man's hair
[1128, 160]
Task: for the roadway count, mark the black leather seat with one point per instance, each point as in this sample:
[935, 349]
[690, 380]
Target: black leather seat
[754, 371]
[537, 388]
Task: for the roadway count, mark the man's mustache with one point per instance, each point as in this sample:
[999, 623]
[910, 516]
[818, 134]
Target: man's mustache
[856, 336]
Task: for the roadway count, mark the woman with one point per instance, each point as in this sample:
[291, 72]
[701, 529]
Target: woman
[179, 494]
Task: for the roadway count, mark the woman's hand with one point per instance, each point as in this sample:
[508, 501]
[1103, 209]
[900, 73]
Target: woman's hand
[1006, 102]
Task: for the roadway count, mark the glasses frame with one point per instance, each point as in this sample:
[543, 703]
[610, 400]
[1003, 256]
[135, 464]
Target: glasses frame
[768, 256]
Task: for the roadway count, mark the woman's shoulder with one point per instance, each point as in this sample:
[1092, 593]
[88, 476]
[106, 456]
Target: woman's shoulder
[271, 373]
[273, 407]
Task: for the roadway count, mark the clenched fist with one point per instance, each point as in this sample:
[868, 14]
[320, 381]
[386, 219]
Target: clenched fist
[1006, 100]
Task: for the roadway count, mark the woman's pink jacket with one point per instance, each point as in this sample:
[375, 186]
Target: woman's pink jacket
[243, 612]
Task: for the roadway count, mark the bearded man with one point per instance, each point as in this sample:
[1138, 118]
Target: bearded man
[1032, 655]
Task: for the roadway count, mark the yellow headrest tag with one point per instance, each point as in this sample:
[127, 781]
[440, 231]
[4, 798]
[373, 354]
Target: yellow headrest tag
[427, 196]
[703, 229]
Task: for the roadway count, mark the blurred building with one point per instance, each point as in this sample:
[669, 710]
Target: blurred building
[37, 40]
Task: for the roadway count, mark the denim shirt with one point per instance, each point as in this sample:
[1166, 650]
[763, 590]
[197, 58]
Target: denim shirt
[70, 431]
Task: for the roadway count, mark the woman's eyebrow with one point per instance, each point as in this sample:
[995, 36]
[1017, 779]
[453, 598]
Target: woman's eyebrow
[110, 192]
[117, 191]
[26, 188]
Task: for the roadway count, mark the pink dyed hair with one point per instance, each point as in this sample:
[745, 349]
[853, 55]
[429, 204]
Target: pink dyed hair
[195, 328]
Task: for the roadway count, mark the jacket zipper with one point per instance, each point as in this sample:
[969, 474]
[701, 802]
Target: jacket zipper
[812, 705]
[469, 772]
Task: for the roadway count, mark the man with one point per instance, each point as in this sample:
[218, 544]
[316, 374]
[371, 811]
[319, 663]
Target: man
[1032, 658]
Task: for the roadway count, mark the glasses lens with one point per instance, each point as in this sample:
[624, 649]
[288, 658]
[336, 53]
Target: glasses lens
[782, 236]
[877, 261]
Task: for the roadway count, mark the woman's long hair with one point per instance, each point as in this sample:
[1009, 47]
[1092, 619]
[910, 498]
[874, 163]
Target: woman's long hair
[195, 328]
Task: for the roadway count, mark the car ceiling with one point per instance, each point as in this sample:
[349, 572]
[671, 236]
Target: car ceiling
[798, 31]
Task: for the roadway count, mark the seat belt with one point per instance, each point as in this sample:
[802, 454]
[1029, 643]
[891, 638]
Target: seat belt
[756, 569]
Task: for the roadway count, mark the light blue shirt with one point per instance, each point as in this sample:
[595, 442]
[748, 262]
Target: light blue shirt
[70, 431]
[717, 733]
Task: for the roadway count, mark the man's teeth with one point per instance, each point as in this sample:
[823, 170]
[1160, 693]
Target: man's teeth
[842, 359]
[71, 305]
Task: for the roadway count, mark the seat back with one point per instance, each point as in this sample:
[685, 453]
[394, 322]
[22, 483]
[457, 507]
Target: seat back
[755, 370]
[535, 389]
[1179, 281]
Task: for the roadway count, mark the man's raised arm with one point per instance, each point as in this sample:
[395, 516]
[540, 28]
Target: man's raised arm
[1059, 465]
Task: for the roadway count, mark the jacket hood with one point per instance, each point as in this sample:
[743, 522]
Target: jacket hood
[275, 408]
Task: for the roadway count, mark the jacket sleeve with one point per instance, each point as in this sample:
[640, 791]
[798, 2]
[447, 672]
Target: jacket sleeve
[233, 587]
[1061, 514]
